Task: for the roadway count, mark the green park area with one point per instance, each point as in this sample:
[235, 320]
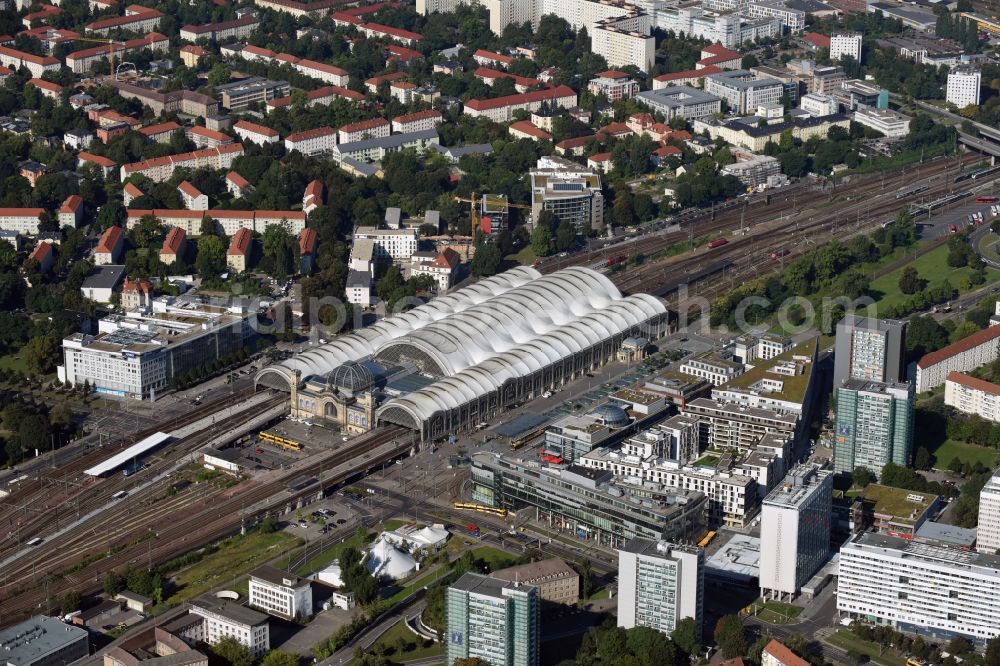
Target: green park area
[950, 449]
[932, 267]
[857, 648]
[776, 612]
[235, 557]
[400, 645]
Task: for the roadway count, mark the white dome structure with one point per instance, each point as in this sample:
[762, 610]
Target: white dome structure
[387, 561]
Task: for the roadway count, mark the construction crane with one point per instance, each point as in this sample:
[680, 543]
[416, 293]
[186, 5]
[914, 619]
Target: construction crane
[475, 205]
[111, 52]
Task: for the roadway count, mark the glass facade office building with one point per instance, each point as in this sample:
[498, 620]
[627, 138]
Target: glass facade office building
[874, 425]
[492, 619]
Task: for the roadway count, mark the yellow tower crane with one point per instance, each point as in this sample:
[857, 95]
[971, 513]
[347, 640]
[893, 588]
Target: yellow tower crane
[475, 204]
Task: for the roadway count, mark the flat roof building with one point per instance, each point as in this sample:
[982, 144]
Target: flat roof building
[492, 619]
[874, 426]
[280, 593]
[919, 587]
[568, 191]
[869, 348]
[587, 501]
[660, 584]
[227, 619]
[795, 531]
[681, 101]
[43, 641]
[137, 355]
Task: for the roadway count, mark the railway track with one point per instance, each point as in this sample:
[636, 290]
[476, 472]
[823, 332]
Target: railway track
[755, 211]
[145, 533]
[81, 494]
[791, 233]
[51, 487]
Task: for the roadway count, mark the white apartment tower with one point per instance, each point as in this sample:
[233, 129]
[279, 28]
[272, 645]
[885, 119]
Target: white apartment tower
[988, 530]
[963, 86]
[795, 531]
[845, 44]
[659, 584]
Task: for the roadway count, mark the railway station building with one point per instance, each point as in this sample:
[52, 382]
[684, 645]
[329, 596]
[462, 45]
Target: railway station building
[467, 356]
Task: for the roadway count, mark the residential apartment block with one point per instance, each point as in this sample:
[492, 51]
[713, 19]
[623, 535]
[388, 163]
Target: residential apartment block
[869, 348]
[965, 355]
[971, 395]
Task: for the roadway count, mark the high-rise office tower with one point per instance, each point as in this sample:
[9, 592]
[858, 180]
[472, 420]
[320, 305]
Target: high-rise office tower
[493, 619]
[874, 425]
[869, 348]
[795, 531]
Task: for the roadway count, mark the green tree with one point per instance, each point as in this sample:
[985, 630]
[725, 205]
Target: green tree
[651, 647]
[218, 75]
[565, 236]
[41, 354]
[69, 603]
[612, 644]
[113, 584]
[910, 282]
[211, 259]
[486, 261]
[232, 652]
[924, 335]
[278, 251]
[146, 232]
[279, 658]
[922, 458]
[686, 636]
[541, 240]
[730, 636]
[862, 477]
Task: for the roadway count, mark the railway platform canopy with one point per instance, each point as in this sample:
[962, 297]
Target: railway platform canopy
[132, 453]
[499, 342]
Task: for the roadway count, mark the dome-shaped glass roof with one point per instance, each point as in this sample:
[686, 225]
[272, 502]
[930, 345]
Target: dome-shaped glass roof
[351, 376]
[612, 415]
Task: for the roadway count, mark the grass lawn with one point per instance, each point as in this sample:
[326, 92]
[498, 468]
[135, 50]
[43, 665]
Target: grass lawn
[235, 557]
[776, 612]
[846, 640]
[14, 363]
[969, 453]
[707, 461]
[415, 645]
[423, 581]
[321, 560]
[525, 257]
[602, 593]
[932, 267]
[494, 557]
[990, 247]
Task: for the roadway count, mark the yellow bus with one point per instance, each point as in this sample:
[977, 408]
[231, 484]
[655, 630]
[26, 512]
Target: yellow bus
[707, 539]
[481, 508]
[280, 441]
